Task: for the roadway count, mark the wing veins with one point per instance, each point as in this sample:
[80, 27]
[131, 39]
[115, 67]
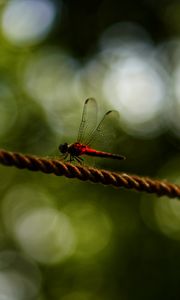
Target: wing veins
[89, 107]
[98, 128]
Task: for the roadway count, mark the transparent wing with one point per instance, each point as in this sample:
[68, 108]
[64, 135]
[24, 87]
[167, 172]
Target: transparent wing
[105, 132]
[88, 122]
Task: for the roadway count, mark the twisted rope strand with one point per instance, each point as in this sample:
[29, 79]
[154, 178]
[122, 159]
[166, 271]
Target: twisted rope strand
[60, 168]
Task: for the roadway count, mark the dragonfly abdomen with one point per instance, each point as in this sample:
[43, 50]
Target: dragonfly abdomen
[92, 152]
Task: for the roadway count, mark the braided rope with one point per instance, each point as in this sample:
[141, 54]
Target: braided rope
[60, 168]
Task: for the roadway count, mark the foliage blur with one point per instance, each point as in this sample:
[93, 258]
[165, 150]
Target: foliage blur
[71, 240]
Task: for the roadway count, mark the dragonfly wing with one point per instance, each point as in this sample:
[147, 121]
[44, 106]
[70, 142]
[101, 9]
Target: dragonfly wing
[88, 122]
[104, 133]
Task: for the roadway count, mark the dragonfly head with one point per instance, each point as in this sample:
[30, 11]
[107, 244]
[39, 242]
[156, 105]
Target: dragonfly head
[63, 148]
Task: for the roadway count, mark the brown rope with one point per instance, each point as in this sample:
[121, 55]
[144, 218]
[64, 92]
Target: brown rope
[60, 168]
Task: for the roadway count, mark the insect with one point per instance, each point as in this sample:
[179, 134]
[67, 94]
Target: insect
[88, 131]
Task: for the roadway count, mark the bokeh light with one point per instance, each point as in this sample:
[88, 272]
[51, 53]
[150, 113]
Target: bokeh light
[135, 83]
[92, 226]
[172, 51]
[47, 77]
[34, 231]
[164, 214]
[167, 215]
[19, 277]
[138, 93]
[167, 212]
[17, 18]
[33, 223]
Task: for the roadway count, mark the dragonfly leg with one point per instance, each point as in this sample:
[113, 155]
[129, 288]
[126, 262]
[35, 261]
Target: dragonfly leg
[63, 156]
[71, 158]
[79, 159]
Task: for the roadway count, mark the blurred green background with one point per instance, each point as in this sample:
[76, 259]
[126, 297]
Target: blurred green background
[71, 240]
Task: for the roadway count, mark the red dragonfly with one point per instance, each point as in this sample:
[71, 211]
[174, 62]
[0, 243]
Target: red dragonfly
[88, 131]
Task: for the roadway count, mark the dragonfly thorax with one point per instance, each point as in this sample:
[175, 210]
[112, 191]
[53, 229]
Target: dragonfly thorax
[76, 149]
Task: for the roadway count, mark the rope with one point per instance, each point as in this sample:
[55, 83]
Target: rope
[60, 168]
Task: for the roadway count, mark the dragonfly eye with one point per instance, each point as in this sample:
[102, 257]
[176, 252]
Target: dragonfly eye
[63, 148]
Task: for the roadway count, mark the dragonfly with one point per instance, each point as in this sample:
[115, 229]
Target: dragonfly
[88, 132]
